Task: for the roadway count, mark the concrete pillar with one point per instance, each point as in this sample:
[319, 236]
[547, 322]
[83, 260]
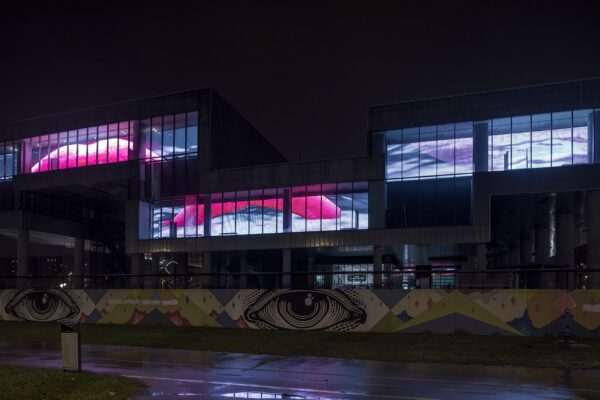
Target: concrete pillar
[480, 257]
[137, 268]
[182, 270]
[593, 238]
[565, 230]
[243, 271]
[543, 239]
[527, 222]
[209, 281]
[310, 270]
[480, 146]
[23, 257]
[78, 262]
[155, 280]
[377, 204]
[286, 268]
[377, 267]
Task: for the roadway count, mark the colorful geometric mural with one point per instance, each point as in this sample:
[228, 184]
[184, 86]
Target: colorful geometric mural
[506, 312]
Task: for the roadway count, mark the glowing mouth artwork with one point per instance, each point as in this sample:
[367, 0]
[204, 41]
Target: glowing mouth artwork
[80, 155]
[307, 207]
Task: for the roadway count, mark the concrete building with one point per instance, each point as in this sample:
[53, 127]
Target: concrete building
[497, 189]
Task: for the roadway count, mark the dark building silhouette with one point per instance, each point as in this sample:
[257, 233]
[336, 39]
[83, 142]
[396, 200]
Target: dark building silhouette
[182, 184]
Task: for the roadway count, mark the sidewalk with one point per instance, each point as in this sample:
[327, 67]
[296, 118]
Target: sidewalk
[173, 374]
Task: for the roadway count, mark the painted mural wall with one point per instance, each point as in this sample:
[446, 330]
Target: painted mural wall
[507, 312]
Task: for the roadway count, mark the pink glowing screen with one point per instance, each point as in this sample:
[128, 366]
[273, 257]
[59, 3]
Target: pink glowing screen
[307, 207]
[81, 155]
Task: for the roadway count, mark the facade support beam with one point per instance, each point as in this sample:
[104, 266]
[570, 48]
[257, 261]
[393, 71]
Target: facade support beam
[286, 279]
[377, 266]
[78, 262]
[23, 257]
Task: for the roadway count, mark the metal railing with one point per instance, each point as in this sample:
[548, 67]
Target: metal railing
[545, 278]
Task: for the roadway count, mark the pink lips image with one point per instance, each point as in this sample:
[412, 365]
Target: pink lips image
[308, 207]
[81, 155]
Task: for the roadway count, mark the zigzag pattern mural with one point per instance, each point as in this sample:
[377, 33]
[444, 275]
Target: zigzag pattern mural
[507, 312]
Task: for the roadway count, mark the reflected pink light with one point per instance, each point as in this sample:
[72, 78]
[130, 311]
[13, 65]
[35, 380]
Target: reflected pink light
[307, 207]
[81, 155]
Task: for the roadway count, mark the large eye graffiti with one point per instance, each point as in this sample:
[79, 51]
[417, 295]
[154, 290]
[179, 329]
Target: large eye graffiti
[42, 305]
[306, 309]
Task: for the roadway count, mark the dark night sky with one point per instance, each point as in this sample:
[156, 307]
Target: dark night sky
[303, 73]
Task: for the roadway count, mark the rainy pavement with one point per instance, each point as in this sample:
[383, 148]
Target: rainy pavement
[176, 374]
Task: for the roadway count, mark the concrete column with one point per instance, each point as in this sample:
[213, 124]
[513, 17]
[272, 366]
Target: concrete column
[243, 271]
[377, 267]
[593, 237]
[543, 239]
[526, 231]
[208, 268]
[377, 204]
[182, 268]
[78, 262]
[480, 257]
[155, 280]
[23, 257]
[137, 267]
[310, 270]
[480, 146]
[565, 231]
[286, 269]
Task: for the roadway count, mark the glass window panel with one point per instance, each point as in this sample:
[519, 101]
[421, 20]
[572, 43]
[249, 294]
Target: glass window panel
[156, 138]
[179, 212]
[317, 208]
[229, 213]
[2, 161]
[192, 132]
[102, 144]
[445, 150]
[82, 147]
[346, 207]
[242, 212]
[427, 152]
[501, 144]
[255, 212]
[180, 135]
[581, 120]
[125, 145]
[146, 138]
[168, 135]
[63, 156]
[562, 150]
[463, 148]
[393, 159]
[193, 222]
[92, 147]
[73, 150]
[280, 195]
[299, 211]
[216, 214]
[410, 153]
[272, 211]
[541, 140]
[330, 222]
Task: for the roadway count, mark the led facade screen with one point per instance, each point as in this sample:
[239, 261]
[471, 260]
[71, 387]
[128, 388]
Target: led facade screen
[526, 141]
[295, 209]
[164, 137]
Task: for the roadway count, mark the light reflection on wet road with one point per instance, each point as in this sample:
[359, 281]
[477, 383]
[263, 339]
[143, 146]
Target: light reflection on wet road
[176, 374]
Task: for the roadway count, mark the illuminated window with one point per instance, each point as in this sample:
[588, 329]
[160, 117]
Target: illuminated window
[326, 207]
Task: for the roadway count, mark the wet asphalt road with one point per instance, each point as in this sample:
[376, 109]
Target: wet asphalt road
[176, 374]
